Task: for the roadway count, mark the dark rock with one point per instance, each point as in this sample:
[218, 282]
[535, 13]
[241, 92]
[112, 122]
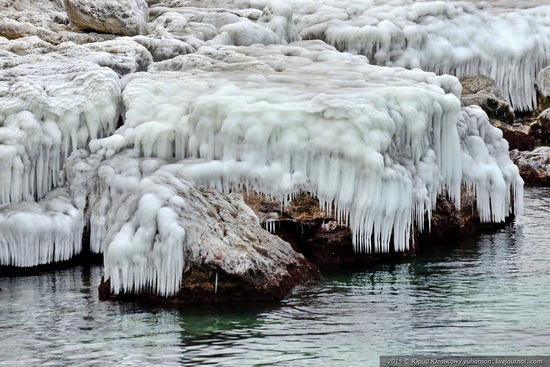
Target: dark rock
[480, 90]
[534, 167]
[516, 137]
[543, 89]
[539, 130]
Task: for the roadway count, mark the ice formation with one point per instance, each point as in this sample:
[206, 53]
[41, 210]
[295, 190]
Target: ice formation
[376, 145]
[233, 99]
[457, 38]
[40, 233]
[48, 109]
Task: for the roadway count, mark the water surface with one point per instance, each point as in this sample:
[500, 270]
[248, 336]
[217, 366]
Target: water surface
[489, 294]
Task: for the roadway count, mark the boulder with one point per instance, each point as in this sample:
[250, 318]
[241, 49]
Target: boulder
[543, 89]
[121, 17]
[480, 90]
[517, 135]
[539, 129]
[533, 166]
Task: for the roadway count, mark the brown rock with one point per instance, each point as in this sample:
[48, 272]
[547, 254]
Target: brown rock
[120, 17]
[534, 167]
[480, 90]
[539, 130]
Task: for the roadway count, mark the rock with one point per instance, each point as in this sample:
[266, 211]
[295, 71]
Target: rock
[214, 251]
[533, 166]
[543, 89]
[516, 135]
[539, 130]
[121, 17]
[329, 245]
[480, 90]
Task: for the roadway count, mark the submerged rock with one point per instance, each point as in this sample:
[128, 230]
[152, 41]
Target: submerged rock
[121, 17]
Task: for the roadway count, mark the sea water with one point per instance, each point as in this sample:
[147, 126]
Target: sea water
[485, 295]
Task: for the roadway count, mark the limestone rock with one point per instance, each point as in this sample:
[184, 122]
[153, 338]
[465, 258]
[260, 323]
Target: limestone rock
[540, 128]
[480, 90]
[543, 89]
[533, 166]
[121, 17]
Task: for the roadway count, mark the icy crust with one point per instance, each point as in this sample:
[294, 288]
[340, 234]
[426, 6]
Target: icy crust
[48, 108]
[457, 38]
[487, 167]
[376, 145]
[40, 233]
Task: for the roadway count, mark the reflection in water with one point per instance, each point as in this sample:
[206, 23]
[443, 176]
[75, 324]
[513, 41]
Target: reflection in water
[488, 294]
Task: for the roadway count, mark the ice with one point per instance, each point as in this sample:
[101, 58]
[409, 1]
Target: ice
[40, 233]
[452, 37]
[376, 145]
[49, 108]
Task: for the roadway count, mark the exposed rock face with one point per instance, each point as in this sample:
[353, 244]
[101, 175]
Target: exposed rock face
[480, 90]
[327, 244]
[516, 135]
[543, 89]
[121, 17]
[539, 130]
[533, 166]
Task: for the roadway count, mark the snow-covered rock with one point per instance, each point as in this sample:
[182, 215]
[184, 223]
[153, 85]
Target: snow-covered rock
[120, 17]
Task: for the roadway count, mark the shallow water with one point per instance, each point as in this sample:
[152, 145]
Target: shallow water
[488, 295]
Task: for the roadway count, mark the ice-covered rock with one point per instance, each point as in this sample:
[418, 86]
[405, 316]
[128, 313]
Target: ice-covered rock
[120, 17]
[376, 145]
[38, 233]
[452, 37]
[162, 236]
[49, 108]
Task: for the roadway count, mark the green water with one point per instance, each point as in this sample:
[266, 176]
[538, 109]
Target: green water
[486, 295]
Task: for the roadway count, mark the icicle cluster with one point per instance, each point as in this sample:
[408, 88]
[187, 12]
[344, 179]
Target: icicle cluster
[449, 37]
[136, 220]
[375, 145]
[487, 167]
[40, 233]
[48, 109]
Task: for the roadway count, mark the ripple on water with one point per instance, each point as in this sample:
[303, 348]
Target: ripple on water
[488, 294]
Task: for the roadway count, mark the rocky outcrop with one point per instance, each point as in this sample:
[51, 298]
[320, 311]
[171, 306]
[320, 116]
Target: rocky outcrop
[170, 242]
[329, 245]
[543, 89]
[121, 17]
[516, 135]
[539, 129]
[480, 90]
[533, 166]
